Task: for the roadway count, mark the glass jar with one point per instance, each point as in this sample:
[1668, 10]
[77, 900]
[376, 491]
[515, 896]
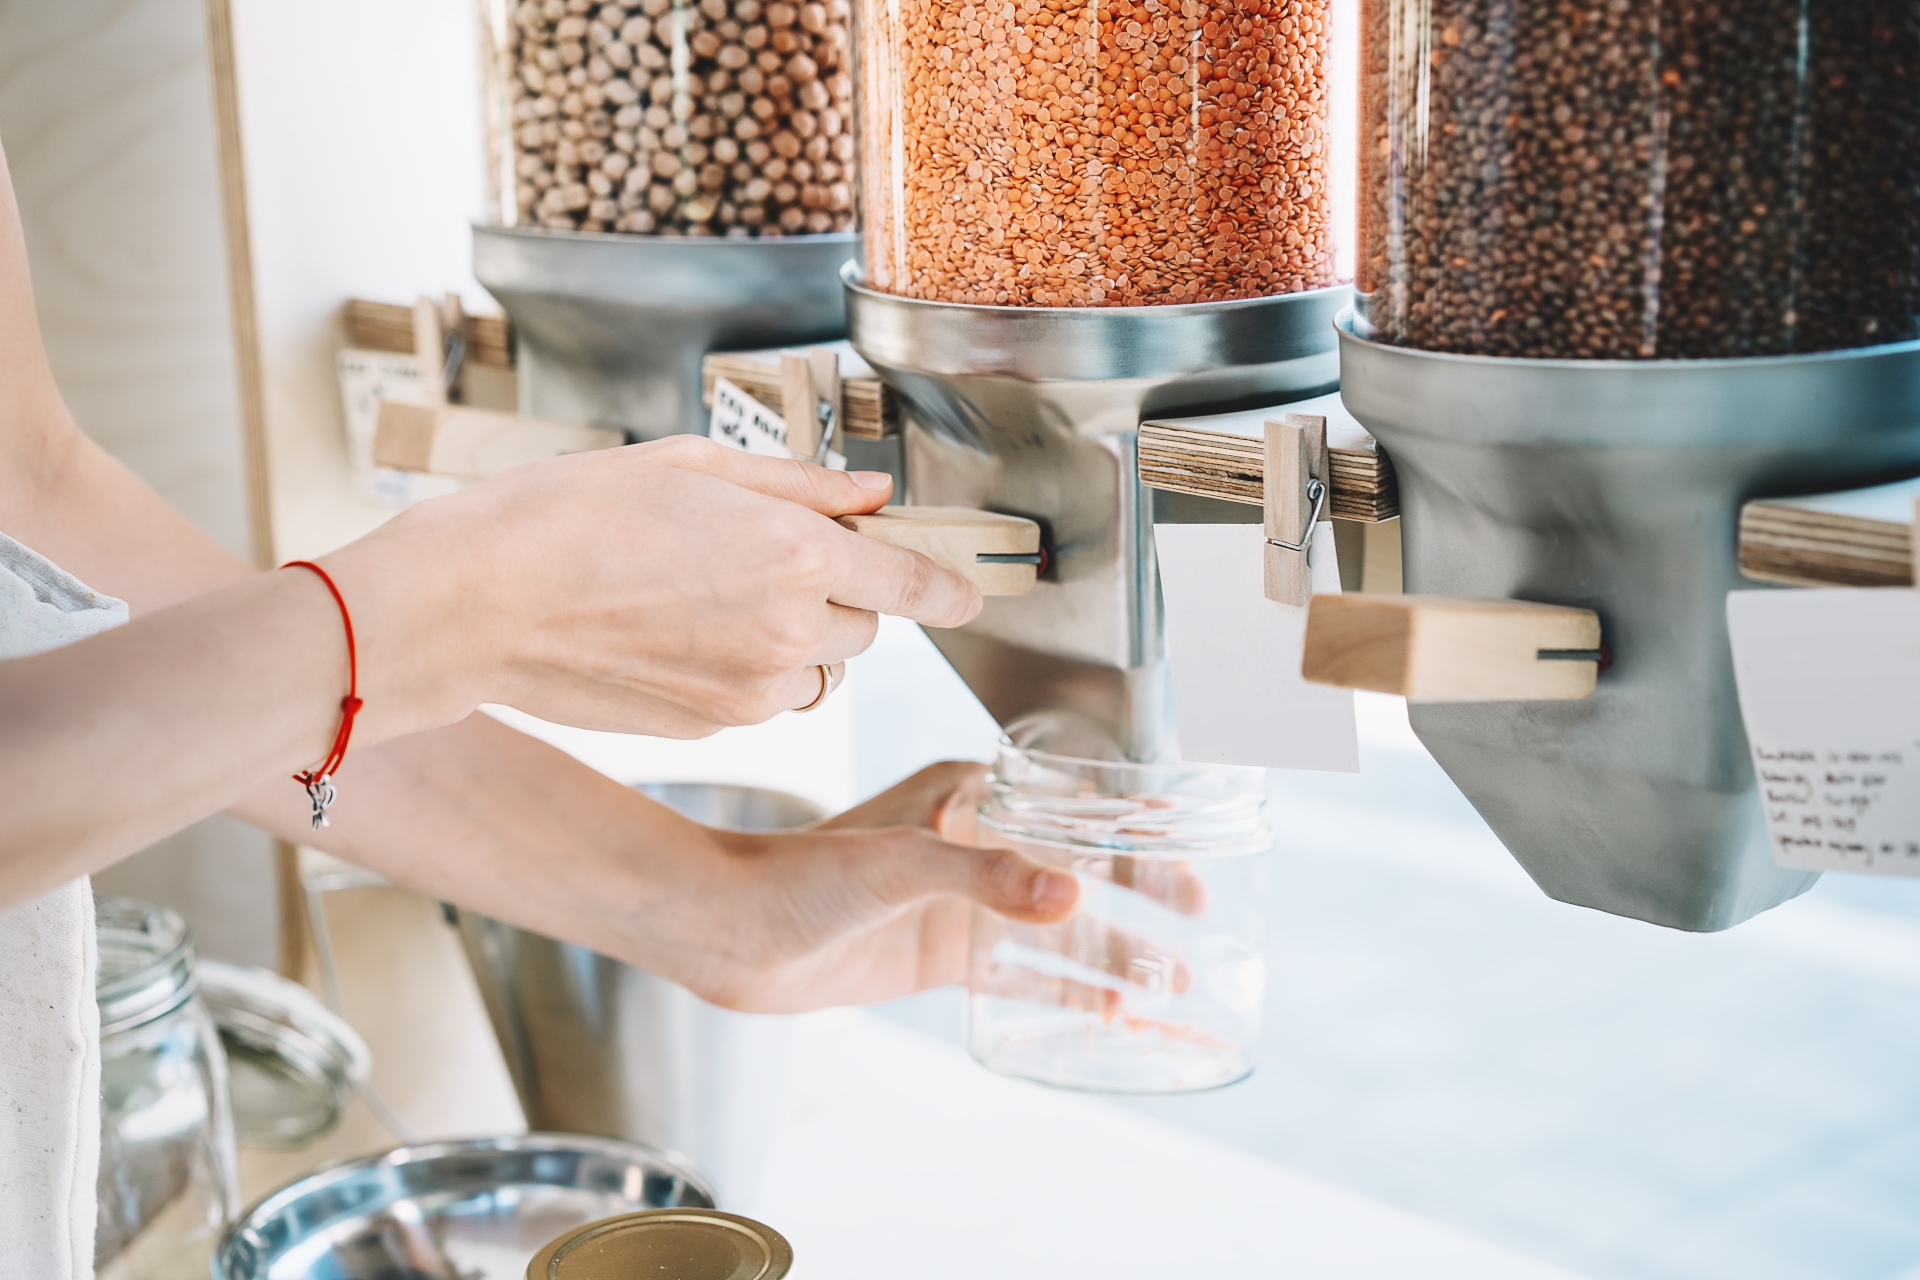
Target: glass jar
[1155, 984]
[721, 117]
[1616, 180]
[167, 1161]
[1068, 153]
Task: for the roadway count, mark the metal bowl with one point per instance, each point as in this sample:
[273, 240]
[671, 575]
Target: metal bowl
[476, 1209]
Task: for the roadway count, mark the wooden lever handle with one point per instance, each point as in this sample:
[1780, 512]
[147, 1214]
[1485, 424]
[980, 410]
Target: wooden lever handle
[454, 440]
[956, 538]
[1452, 649]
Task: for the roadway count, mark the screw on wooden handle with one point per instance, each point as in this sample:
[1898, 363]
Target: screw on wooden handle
[1000, 554]
[1452, 649]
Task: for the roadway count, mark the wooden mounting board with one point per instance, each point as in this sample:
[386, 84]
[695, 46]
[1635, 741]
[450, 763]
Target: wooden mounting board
[388, 326]
[1859, 538]
[1224, 456]
[873, 411]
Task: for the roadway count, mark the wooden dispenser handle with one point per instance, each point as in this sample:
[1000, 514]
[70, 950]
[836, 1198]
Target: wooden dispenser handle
[1000, 554]
[1452, 649]
[454, 440]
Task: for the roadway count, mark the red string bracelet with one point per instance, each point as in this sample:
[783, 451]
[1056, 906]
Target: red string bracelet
[319, 782]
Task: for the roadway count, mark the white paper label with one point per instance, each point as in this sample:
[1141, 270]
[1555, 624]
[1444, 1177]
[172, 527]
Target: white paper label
[367, 378]
[742, 422]
[1238, 694]
[1830, 691]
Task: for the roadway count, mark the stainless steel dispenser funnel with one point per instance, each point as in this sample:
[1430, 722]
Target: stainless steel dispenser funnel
[612, 328]
[1616, 486]
[1034, 411]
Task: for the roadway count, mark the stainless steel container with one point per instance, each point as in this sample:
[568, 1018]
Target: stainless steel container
[476, 1209]
[612, 329]
[1616, 486]
[1035, 411]
[597, 1046]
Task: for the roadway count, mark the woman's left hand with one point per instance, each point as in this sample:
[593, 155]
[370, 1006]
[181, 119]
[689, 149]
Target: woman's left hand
[870, 905]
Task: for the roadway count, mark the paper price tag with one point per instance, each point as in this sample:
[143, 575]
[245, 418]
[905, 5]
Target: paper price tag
[1238, 694]
[1830, 692]
[741, 422]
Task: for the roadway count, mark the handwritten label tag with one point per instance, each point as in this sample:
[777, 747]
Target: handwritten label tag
[367, 378]
[1237, 691]
[1830, 691]
[741, 422]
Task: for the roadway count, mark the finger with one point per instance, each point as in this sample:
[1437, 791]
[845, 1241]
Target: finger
[904, 583]
[831, 493]
[999, 879]
[849, 633]
[941, 797]
[1172, 884]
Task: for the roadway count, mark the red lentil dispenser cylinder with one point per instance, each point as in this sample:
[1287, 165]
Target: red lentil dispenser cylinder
[1076, 153]
[1637, 179]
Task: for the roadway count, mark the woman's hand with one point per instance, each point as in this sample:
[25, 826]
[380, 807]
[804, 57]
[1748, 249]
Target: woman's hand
[870, 905]
[671, 589]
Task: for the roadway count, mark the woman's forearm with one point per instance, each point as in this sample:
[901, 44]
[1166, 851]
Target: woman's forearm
[114, 742]
[484, 816]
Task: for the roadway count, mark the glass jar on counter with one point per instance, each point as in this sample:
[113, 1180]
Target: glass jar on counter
[1156, 983]
[1068, 153]
[1606, 180]
[167, 1184]
[674, 117]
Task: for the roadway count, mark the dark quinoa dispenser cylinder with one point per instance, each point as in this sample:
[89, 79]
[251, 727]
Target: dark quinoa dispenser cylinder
[1632, 180]
[1622, 266]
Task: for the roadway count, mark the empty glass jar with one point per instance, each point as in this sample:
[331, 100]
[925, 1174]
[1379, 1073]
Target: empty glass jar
[1619, 181]
[1156, 983]
[167, 1160]
[1066, 153]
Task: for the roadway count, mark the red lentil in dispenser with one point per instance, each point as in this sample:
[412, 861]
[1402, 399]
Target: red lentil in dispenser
[1075, 153]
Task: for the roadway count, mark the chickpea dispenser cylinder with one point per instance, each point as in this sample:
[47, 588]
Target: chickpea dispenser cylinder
[1623, 267]
[1078, 214]
[673, 178]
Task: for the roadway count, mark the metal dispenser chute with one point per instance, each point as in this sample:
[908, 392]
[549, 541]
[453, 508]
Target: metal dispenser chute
[612, 328]
[1035, 412]
[1616, 486]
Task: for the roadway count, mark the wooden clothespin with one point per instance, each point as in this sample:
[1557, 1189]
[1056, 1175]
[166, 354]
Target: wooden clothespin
[811, 402]
[440, 344]
[1295, 498]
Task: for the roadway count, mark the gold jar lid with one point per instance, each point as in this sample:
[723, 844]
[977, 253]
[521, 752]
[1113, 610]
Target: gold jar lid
[666, 1244]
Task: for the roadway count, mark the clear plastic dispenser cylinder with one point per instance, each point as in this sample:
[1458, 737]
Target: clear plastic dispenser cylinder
[673, 117]
[1615, 180]
[1073, 153]
[1156, 983]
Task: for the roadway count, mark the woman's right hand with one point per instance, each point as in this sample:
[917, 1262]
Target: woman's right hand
[671, 588]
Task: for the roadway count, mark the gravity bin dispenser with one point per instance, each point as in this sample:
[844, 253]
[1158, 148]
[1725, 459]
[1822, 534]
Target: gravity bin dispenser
[1077, 217]
[1613, 281]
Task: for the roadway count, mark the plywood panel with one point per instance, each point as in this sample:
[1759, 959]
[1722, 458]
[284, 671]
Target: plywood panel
[107, 119]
